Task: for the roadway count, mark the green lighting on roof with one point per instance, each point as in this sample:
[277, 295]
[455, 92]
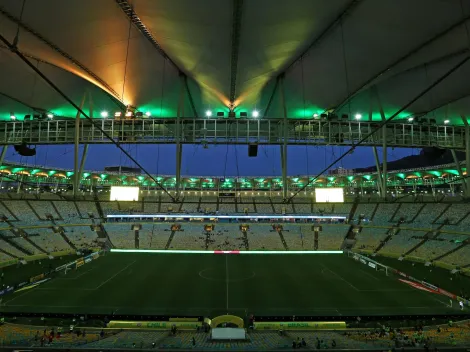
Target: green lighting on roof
[69, 173]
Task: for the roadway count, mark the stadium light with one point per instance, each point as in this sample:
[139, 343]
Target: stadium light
[446, 121]
[410, 119]
[255, 113]
[208, 113]
[315, 115]
[13, 117]
[104, 114]
[148, 114]
[358, 116]
[117, 114]
[51, 116]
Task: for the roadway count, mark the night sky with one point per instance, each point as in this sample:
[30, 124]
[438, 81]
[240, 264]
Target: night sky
[214, 161]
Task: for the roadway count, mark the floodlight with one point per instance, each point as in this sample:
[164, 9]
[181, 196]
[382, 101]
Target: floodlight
[148, 114]
[208, 113]
[446, 121]
[51, 116]
[104, 114]
[117, 114]
[410, 119]
[358, 116]
[255, 113]
[129, 113]
[13, 117]
[315, 115]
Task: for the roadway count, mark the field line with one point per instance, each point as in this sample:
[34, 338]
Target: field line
[370, 275]
[340, 277]
[112, 277]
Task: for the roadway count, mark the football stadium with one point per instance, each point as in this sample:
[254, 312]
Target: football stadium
[234, 175]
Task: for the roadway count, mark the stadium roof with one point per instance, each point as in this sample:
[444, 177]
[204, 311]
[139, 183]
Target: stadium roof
[441, 174]
[235, 51]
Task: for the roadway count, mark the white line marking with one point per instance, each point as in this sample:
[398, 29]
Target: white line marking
[370, 275]
[340, 277]
[76, 277]
[112, 277]
[226, 278]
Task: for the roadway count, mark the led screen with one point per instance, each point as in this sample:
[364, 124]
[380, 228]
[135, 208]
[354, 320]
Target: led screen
[329, 195]
[124, 193]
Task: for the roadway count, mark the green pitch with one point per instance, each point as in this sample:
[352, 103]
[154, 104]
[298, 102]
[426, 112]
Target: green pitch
[210, 285]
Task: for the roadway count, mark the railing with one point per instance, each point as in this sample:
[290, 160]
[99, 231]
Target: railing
[238, 131]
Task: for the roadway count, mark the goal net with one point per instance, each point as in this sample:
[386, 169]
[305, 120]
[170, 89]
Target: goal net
[372, 264]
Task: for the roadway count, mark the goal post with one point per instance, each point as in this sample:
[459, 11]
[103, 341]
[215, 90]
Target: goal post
[369, 262]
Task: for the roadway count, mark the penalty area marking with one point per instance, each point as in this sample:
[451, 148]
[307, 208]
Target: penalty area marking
[112, 277]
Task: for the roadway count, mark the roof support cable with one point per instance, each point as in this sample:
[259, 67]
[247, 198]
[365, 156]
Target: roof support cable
[17, 36]
[127, 58]
[70, 101]
[384, 123]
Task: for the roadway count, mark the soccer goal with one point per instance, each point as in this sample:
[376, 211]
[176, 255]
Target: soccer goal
[369, 262]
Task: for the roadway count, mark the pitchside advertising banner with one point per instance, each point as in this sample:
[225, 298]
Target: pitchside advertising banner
[300, 325]
[41, 278]
[156, 325]
[411, 281]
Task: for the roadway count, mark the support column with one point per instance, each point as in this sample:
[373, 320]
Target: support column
[384, 145]
[379, 171]
[466, 180]
[179, 146]
[284, 139]
[82, 164]
[2, 155]
[76, 180]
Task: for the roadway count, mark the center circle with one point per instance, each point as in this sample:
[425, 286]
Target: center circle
[212, 274]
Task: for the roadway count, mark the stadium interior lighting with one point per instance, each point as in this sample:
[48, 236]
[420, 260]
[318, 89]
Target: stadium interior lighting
[51, 116]
[117, 114]
[129, 113]
[104, 114]
[13, 117]
[315, 115]
[148, 114]
[177, 251]
[410, 119]
[446, 121]
[358, 116]
[208, 113]
[255, 113]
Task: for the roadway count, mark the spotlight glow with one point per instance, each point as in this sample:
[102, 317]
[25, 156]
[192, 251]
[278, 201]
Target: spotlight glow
[446, 121]
[148, 114]
[315, 115]
[104, 114]
[410, 119]
[255, 113]
[208, 113]
[13, 117]
[50, 116]
[358, 116]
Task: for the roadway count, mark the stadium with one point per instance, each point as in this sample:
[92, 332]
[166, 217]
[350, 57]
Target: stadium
[234, 175]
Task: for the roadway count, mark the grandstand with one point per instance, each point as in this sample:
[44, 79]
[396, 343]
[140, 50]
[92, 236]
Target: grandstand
[234, 175]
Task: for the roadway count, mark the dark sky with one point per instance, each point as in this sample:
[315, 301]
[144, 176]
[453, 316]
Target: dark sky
[214, 161]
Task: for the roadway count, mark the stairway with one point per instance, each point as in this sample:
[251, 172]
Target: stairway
[450, 252]
[424, 240]
[168, 244]
[284, 243]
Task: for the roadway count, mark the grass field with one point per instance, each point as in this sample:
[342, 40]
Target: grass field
[210, 285]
